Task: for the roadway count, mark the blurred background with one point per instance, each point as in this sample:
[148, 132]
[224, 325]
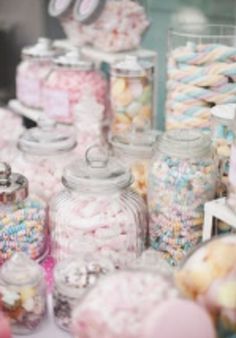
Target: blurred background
[21, 22]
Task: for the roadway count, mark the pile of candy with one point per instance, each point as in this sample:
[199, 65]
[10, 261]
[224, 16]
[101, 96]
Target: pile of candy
[199, 77]
[119, 27]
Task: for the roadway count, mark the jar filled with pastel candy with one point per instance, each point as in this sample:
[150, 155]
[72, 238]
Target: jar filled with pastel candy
[97, 213]
[22, 218]
[135, 148]
[90, 124]
[231, 196]
[68, 82]
[23, 294]
[72, 279]
[132, 86]
[208, 276]
[42, 153]
[35, 66]
[109, 25]
[182, 178]
[201, 74]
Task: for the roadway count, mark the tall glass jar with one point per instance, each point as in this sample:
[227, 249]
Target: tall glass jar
[97, 213]
[68, 81]
[72, 279]
[42, 153]
[23, 294]
[112, 25]
[135, 148]
[207, 276]
[32, 71]
[23, 218]
[182, 178]
[201, 74]
[132, 86]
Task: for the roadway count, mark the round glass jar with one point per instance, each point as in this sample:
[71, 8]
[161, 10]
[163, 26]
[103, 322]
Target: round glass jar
[91, 127]
[97, 212]
[23, 294]
[72, 279]
[201, 74]
[109, 25]
[208, 276]
[135, 148]
[22, 218]
[223, 126]
[132, 85]
[182, 178]
[32, 71]
[68, 82]
[42, 154]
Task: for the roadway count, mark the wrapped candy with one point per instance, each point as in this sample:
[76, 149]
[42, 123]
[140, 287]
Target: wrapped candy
[111, 25]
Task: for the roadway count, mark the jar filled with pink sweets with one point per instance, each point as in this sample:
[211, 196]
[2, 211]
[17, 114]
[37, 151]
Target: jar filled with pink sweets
[70, 77]
[97, 213]
[108, 25]
[42, 153]
[32, 71]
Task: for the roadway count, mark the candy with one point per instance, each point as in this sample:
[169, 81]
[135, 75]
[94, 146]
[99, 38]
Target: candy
[72, 280]
[5, 331]
[129, 303]
[119, 27]
[199, 75]
[208, 276]
[182, 178]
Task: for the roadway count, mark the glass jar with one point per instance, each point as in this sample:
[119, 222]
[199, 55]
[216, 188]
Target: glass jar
[112, 26]
[223, 117]
[208, 276]
[72, 279]
[120, 304]
[42, 153]
[135, 148]
[97, 213]
[132, 85]
[231, 198]
[32, 71]
[22, 218]
[23, 293]
[201, 74]
[182, 178]
[90, 113]
[68, 81]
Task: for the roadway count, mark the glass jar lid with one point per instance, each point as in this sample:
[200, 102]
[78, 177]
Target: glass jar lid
[73, 59]
[184, 143]
[20, 270]
[13, 187]
[226, 113]
[98, 173]
[59, 7]
[42, 50]
[88, 11]
[136, 142]
[49, 138]
[131, 66]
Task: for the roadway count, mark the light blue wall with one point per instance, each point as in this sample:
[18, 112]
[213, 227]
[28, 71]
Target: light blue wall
[216, 11]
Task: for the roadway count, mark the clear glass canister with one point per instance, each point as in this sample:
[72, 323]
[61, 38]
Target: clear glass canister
[32, 71]
[90, 124]
[208, 276]
[201, 74]
[135, 148]
[23, 294]
[22, 217]
[182, 178]
[42, 153]
[109, 25]
[132, 86]
[68, 81]
[97, 213]
[72, 279]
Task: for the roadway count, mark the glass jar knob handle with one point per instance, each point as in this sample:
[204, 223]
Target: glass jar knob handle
[5, 173]
[97, 156]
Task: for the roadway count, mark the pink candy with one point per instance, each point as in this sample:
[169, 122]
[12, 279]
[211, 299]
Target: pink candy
[5, 331]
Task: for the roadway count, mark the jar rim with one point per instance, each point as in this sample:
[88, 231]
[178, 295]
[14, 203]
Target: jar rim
[186, 30]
